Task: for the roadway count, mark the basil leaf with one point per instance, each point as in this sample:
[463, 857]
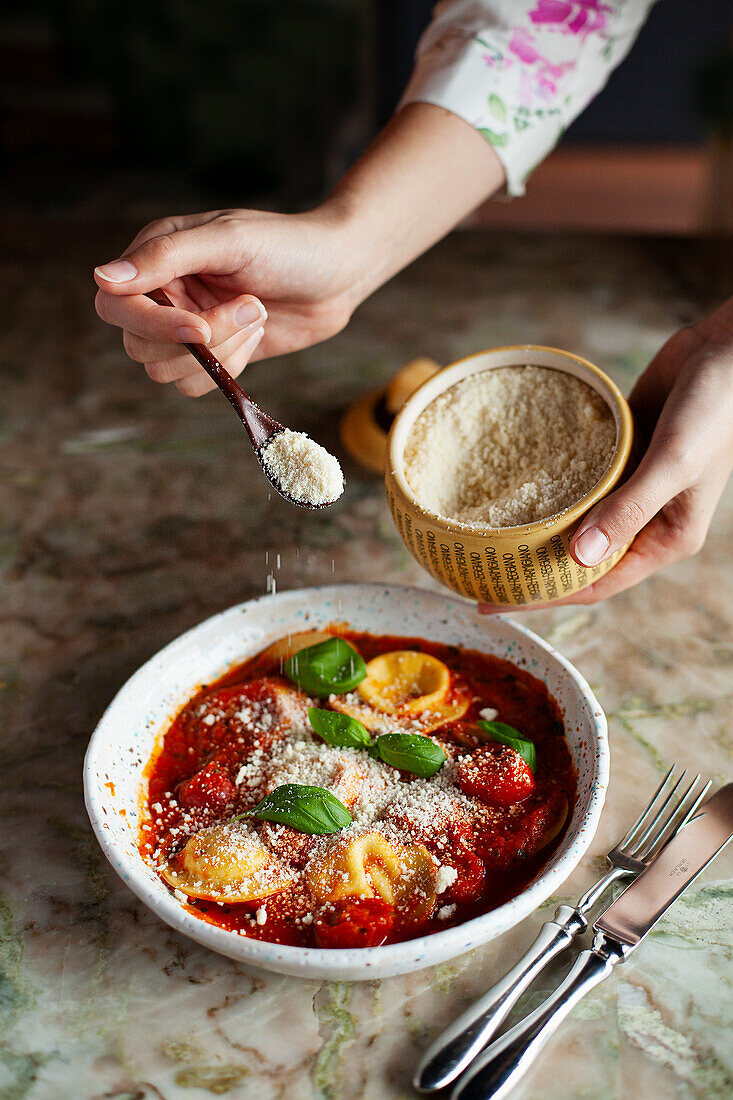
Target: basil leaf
[308, 809]
[330, 667]
[507, 735]
[410, 752]
[339, 730]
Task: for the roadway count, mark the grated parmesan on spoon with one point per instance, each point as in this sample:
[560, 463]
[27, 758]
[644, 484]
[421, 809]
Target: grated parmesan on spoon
[304, 471]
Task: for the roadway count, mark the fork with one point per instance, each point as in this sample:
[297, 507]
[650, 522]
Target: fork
[667, 811]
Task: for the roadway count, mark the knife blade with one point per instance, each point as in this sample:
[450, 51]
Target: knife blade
[647, 898]
[619, 930]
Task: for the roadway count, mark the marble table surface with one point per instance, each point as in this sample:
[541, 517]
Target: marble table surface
[130, 513]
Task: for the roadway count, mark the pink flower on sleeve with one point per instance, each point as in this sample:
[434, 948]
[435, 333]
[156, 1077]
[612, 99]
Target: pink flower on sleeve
[526, 90]
[523, 47]
[571, 16]
[546, 73]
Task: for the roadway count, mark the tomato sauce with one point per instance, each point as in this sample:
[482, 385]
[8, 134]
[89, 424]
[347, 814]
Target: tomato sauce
[199, 758]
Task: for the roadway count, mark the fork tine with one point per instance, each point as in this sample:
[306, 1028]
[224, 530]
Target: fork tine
[693, 808]
[651, 827]
[686, 807]
[639, 823]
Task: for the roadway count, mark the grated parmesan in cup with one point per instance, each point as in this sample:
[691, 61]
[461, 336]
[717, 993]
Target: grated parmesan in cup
[509, 446]
[303, 469]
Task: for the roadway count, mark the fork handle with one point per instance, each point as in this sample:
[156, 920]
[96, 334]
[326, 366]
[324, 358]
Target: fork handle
[499, 1069]
[456, 1047]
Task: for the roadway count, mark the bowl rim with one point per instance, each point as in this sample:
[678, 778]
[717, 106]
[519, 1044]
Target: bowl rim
[456, 372]
[446, 943]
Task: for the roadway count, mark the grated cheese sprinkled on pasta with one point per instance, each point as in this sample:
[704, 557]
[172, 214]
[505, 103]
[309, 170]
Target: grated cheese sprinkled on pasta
[414, 820]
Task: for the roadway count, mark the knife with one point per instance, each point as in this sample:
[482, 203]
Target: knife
[619, 931]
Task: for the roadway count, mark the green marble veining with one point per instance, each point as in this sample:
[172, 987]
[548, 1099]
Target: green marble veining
[133, 513]
[339, 1026]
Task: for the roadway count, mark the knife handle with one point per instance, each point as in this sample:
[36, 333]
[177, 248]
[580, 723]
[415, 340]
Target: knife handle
[499, 1069]
[459, 1044]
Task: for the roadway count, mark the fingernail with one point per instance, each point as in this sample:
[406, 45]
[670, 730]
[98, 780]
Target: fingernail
[249, 313]
[120, 271]
[188, 335]
[253, 340]
[592, 546]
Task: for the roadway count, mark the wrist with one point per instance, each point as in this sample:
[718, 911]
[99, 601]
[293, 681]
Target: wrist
[343, 246]
[363, 245]
[423, 173]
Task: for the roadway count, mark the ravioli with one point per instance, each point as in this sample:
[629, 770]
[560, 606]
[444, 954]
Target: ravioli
[435, 713]
[370, 866]
[226, 863]
[404, 682]
[402, 688]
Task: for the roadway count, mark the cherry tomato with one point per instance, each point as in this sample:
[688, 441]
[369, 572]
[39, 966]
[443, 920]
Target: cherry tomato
[469, 885]
[496, 774]
[208, 789]
[458, 849]
[237, 711]
[462, 734]
[363, 922]
[531, 832]
[544, 821]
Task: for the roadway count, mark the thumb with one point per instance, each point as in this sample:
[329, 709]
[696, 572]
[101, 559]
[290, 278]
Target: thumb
[618, 518]
[159, 260]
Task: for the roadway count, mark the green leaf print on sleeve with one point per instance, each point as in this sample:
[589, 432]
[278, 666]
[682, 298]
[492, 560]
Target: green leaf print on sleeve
[494, 53]
[493, 138]
[497, 108]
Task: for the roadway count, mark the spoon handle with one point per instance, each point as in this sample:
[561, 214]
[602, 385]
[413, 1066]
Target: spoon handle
[259, 425]
[208, 361]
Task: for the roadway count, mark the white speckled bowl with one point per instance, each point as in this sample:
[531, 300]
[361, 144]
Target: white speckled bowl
[122, 743]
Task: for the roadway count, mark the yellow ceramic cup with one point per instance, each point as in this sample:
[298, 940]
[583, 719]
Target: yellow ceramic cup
[504, 565]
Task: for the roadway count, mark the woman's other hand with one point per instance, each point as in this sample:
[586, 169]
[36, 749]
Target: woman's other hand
[683, 413]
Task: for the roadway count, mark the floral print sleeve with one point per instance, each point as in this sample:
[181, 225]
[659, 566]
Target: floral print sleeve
[520, 71]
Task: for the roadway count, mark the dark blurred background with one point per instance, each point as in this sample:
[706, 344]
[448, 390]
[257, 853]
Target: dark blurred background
[239, 102]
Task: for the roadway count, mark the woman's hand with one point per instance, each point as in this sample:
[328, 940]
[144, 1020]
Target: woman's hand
[683, 414]
[228, 273]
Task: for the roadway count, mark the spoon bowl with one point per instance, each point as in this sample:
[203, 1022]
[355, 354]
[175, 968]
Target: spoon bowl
[260, 426]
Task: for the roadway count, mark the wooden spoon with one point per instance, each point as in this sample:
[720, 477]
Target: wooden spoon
[261, 428]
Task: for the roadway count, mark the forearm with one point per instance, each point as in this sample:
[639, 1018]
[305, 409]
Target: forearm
[306, 272]
[425, 171]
